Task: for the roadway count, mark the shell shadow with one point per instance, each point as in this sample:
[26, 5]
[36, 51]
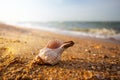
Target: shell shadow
[83, 64]
[69, 64]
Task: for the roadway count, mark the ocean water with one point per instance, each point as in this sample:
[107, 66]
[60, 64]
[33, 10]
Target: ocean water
[88, 29]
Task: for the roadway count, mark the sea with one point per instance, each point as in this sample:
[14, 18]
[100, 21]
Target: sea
[102, 30]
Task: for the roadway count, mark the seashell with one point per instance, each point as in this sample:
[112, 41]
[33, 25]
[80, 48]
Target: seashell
[51, 53]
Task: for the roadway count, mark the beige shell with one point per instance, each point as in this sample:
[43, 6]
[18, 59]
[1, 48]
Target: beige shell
[51, 53]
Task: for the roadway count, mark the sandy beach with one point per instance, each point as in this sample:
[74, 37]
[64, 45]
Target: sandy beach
[89, 58]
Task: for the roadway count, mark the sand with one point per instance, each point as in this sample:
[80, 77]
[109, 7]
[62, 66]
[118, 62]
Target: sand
[89, 58]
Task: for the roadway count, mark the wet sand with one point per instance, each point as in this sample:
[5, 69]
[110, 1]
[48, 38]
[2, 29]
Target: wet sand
[89, 58]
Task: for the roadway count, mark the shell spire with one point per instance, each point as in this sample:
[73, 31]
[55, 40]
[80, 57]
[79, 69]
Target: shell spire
[53, 44]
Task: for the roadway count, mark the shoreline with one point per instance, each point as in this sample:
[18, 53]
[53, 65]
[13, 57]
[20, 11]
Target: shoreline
[77, 34]
[73, 33]
[89, 58]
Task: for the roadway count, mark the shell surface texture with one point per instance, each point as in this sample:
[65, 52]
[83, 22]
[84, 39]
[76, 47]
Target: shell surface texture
[51, 53]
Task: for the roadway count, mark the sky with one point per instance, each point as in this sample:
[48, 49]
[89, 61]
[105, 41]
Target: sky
[59, 10]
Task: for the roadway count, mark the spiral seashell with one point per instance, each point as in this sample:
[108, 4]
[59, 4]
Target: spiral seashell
[51, 53]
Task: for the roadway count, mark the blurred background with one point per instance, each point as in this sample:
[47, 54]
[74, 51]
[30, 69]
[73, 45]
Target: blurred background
[94, 18]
